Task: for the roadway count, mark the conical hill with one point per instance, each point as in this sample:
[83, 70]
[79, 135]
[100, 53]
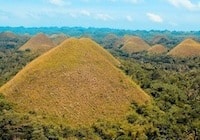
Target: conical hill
[39, 44]
[77, 83]
[133, 44]
[157, 49]
[187, 48]
[58, 38]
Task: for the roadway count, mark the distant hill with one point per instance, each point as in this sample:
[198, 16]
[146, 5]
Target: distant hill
[109, 41]
[8, 40]
[160, 39]
[133, 44]
[157, 49]
[58, 38]
[76, 83]
[186, 48]
[11, 40]
[7, 35]
[39, 43]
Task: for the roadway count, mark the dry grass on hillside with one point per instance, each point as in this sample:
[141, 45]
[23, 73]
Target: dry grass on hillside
[76, 82]
[132, 44]
[187, 48]
[157, 49]
[38, 44]
[58, 38]
[159, 39]
[7, 35]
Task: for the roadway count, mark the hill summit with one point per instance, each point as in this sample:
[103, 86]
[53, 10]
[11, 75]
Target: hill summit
[39, 43]
[7, 35]
[58, 38]
[186, 48]
[77, 83]
[133, 44]
[157, 49]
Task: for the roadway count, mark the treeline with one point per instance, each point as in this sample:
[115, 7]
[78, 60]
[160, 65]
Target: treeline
[174, 83]
[165, 37]
[11, 62]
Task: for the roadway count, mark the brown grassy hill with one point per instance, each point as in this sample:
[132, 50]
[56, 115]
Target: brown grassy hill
[7, 35]
[110, 40]
[8, 39]
[38, 44]
[186, 48]
[132, 44]
[75, 83]
[157, 49]
[58, 38]
[160, 39]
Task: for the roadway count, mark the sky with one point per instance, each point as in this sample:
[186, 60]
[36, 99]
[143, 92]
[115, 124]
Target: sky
[180, 15]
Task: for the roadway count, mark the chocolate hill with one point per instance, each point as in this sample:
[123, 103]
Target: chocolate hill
[133, 44]
[58, 38]
[157, 49]
[39, 44]
[76, 83]
[187, 48]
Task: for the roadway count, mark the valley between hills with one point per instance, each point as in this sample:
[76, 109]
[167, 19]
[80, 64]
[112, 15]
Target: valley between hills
[93, 83]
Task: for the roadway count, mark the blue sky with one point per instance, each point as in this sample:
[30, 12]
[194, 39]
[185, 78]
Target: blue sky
[120, 14]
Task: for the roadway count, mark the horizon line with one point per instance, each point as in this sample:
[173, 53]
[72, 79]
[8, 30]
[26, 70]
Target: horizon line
[60, 27]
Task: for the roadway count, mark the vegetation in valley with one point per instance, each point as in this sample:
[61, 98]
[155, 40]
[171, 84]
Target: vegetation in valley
[174, 83]
[12, 60]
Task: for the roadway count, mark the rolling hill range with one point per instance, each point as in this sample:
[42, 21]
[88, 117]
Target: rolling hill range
[39, 44]
[187, 48]
[8, 35]
[58, 38]
[157, 49]
[76, 83]
[159, 39]
[133, 44]
[11, 40]
[109, 41]
[8, 40]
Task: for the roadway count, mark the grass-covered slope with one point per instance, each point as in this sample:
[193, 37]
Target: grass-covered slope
[132, 44]
[76, 83]
[157, 49]
[39, 44]
[187, 48]
[58, 38]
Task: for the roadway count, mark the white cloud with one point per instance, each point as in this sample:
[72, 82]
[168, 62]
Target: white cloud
[3, 18]
[59, 2]
[3, 15]
[85, 0]
[85, 13]
[173, 24]
[154, 17]
[127, 1]
[33, 15]
[184, 3]
[73, 15]
[113, 0]
[129, 18]
[104, 17]
[132, 1]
